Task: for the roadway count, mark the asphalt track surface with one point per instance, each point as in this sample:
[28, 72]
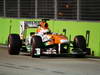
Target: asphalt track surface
[23, 64]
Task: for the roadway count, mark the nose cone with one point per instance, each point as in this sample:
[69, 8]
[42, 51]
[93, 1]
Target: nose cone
[60, 39]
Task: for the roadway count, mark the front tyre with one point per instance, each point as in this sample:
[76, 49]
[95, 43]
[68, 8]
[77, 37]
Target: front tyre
[79, 42]
[79, 46]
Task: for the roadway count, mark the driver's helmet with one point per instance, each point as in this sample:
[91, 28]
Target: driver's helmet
[44, 25]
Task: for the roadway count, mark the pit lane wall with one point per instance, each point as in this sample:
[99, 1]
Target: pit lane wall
[73, 28]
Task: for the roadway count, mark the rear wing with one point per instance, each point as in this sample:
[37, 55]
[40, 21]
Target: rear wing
[28, 24]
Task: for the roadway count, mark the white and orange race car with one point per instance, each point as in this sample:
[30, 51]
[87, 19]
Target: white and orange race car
[45, 42]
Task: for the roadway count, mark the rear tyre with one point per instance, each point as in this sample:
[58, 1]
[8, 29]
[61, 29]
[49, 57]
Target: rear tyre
[14, 44]
[36, 43]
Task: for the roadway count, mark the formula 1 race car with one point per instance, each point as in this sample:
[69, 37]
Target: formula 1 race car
[48, 43]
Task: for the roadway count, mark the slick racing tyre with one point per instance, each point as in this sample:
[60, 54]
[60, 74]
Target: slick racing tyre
[36, 44]
[79, 42]
[14, 44]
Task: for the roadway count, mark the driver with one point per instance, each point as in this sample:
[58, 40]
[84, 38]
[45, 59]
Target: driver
[43, 28]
